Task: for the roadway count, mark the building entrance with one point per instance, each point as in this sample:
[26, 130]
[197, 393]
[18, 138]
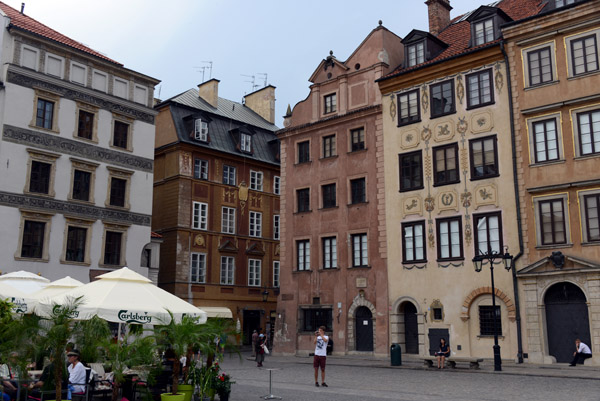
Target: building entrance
[411, 329]
[251, 323]
[364, 329]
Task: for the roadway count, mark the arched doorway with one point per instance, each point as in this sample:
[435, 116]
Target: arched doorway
[363, 323]
[566, 319]
[411, 328]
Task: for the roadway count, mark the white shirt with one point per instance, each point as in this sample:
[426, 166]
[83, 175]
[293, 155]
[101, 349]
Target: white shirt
[584, 349]
[77, 375]
[321, 346]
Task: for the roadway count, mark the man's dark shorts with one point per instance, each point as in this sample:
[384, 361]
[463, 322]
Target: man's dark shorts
[319, 361]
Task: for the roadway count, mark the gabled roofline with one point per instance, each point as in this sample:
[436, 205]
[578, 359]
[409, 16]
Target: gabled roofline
[334, 60]
[474, 16]
[258, 90]
[408, 38]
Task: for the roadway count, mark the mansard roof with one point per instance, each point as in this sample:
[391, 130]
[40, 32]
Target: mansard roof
[26, 23]
[224, 121]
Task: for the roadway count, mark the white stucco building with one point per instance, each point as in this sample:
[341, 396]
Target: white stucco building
[76, 156]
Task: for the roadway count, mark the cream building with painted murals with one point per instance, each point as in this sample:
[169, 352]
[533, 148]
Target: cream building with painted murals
[449, 183]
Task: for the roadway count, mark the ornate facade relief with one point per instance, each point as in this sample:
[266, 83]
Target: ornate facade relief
[443, 131]
[486, 195]
[482, 122]
[185, 163]
[447, 200]
[412, 205]
[409, 139]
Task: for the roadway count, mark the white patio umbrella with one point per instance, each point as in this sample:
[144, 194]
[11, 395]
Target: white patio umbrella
[124, 296]
[57, 287]
[26, 282]
[22, 303]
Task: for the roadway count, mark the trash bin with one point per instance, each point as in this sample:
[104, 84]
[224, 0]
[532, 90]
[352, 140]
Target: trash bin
[396, 354]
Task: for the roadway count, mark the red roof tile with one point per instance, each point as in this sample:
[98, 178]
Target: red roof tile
[457, 35]
[26, 23]
[155, 235]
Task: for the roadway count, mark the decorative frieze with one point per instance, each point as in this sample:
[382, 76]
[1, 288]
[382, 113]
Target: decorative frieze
[55, 143]
[51, 206]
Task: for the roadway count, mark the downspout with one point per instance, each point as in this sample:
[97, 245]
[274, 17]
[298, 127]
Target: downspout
[517, 205]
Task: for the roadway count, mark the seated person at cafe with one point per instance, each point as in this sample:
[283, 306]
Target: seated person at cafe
[10, 378]
[76, 373]
[46, 383]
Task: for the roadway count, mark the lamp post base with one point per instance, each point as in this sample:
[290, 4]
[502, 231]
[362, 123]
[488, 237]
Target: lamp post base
[497, 359]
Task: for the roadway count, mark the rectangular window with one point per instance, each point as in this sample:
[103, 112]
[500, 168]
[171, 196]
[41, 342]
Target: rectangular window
[78, 73]
[277, 185]
[329, 199]
[591, 205]
[552, 219]
[486, 320]
[330, 253]
[315, 318]
[118, 188]
[484, 158]
[442, 99]
[303, 152]
[449, 238]
[81, 185]
[201, 169]
[303, 255]
[246, 143]
[121, 88]
[255, 224]
[560, 3]
[409, 110]
[359, 250]
[45, 113]
[488, 233]
[413, 242]
[588, 125]
[112, 248]
[358, 189]
[33, 239]
[254, 269]
[54, 65]
[479, 89]
[200, 216]
[303, 199]
[416, 54]
[39, 181]
[229, 175]
[228, 220]
[276, 274]
[227, 270]
[411, 171]
[445, 165]
[357, 137]
[276, 227]
[330, 103]
[200, 130]
[120, 134]
[76, 239]
[198, 268]
[329, 146]
[539, 64]
[584, 55]
[256, 180]
[85, 125]
[484, 32]
[545, 141]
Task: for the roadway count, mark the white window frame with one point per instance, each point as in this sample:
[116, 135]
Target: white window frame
[254, 272]
[255, 227]
[122, 81]
[61, 73]
[74, 63]
[245, 142]
[583, 217]
[276, 226]
[303, 254]
[330, 254]
[94, 86]
[415, 53]
[228, 220]
[564, 198]
[277, 185]
[256, 180]
[276, 273]
[37, 56]
[227, 270]
[230, 172]
[200, 215]
[200, 130]
[202, 169]
[139, 89]
[362, 258]
[198, 268]
[483, 39]
[531, 125]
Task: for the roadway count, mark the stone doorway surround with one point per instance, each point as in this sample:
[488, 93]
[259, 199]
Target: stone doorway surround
[534, 282]
[397, 323]
[357, 302]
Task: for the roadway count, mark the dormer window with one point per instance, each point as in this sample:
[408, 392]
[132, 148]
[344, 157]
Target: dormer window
[201, 130]
[560, 3]
[416, 54]
[483, 31]
[245, 143]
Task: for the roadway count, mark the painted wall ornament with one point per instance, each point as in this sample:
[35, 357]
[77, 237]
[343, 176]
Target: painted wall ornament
[486, 195]
[429, 203]
[393, 106]
[465, 198]
[482, 121]
[426, 133]
[425, 98]
[412, 205]
[444, 131]
[185, 163]
[460, 89]
[199, 240]
[409, 139]
[468, 231]
[499, 77]
[462, 125]
[243, 195]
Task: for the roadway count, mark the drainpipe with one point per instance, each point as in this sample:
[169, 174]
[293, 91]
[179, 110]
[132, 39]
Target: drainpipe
[517, 204]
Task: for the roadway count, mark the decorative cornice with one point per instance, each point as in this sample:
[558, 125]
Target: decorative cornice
[17, 77]
[55, 143]
[72, 209]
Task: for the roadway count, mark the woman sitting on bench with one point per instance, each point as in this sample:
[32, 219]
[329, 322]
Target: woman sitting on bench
[443, 353]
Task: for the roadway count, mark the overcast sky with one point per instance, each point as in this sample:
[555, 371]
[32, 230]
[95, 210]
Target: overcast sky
[286, 39]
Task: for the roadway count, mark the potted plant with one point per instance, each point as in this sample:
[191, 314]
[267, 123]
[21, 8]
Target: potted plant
[223, 384]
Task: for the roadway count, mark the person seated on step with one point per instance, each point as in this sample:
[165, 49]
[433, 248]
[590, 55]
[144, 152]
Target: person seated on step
[582, 352]
[443, 353]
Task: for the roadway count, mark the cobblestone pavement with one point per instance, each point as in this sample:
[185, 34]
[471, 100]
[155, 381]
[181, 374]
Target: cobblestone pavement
[356, 378]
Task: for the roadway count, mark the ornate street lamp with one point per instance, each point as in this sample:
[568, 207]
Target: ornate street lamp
[265, 295]
[508, 265]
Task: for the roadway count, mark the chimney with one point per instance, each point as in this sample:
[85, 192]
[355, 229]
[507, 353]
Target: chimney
[209, 91]
[262, 102]
[439, 15]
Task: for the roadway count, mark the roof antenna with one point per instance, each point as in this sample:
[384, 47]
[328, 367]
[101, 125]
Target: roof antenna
[204, 68]
[22, 8]
[252, 81]
[264, 76]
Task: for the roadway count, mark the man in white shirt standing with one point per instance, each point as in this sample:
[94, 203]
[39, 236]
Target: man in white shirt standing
[76, 373]
[582, 352]
[320, 355]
